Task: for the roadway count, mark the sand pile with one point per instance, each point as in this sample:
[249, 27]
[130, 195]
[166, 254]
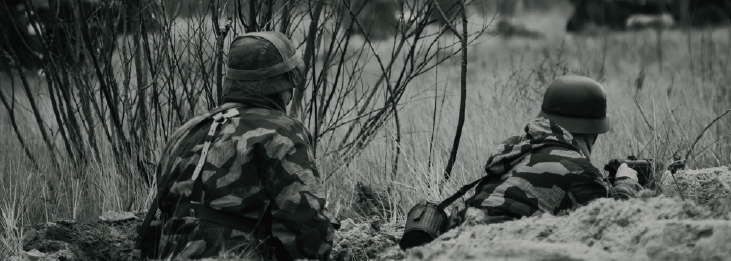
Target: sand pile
[648, 228]
[639, 229]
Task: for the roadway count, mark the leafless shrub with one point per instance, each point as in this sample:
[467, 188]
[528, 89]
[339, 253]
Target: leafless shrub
[141, 68]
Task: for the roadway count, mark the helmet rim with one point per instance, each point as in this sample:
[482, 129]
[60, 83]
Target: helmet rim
[579, 125]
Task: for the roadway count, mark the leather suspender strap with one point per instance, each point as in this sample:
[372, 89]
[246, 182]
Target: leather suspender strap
[146, 223]
[218, 119]
[444, 204]
[203, 212]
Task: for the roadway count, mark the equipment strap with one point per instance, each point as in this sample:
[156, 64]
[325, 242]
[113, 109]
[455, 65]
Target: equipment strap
[286, 65]
[218, 119]
[203, 212]
[146, 223]
[444, 204]
[260, 74]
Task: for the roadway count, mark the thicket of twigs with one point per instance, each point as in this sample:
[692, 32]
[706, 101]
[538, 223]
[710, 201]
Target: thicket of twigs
[121, 76]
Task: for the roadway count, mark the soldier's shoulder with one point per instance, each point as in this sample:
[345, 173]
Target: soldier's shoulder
[560, 152]
[268, 116]
[271, 119]
[571, 159]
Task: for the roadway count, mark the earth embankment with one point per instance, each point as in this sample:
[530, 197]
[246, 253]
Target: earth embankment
[663, 227]
[647, 228]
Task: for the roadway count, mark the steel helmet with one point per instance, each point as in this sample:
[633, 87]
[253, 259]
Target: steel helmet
[576, 103]
[256, 59]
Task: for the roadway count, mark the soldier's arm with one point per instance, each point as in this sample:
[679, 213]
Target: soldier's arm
[587, 186]
[626, 188]
[300, 224]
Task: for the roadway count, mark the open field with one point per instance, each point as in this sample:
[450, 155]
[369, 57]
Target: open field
[659, 117]
[662, 93]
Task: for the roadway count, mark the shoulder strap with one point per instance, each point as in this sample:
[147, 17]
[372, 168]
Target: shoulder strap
[444, 204]
[205, 212]
[218, 118]
[148, 218]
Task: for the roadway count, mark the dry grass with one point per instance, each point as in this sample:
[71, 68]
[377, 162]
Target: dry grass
[661, 117]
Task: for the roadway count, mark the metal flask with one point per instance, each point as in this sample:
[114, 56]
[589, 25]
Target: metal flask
[425, 222]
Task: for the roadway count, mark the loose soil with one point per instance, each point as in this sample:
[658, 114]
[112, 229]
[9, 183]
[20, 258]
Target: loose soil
[66, 240]
[657, 228]
[647, 228]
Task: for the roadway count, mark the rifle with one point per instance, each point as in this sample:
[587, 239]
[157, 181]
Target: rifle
[644, 168]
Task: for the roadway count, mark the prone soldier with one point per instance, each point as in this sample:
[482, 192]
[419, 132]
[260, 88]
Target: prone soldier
[547, 168]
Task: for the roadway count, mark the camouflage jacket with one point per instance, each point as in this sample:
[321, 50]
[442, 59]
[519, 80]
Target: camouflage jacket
[258, 159]
[541, 171]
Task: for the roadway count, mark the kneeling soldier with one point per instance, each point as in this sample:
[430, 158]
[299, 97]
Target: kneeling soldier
[241, 179]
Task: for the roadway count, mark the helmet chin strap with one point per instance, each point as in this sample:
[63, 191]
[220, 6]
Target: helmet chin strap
[585, 142]
[589, 145]
[291, 96]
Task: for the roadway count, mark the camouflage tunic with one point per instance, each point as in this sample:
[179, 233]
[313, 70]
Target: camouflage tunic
[541, 171]
[258, 158]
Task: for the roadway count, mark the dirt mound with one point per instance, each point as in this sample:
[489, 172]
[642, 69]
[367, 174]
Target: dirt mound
[648, 228]
[110, 238]
[658, 228]
[113, 238]
[710, 187]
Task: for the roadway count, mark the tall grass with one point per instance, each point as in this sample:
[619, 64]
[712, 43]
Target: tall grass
[655, 114]
[90, 130]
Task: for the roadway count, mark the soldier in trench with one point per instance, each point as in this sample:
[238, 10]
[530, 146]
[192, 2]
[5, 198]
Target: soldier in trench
[241, 179]
[547, 168]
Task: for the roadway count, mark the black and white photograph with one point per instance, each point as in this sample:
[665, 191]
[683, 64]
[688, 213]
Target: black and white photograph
[350, 130]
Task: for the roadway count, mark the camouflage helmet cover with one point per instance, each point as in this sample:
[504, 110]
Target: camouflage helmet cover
[576, 103]
[261, 63]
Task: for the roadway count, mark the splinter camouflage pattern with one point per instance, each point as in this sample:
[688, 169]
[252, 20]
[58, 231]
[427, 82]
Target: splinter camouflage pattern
[541, 171]
[259, 157]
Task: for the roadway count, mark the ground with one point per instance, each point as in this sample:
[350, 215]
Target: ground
[657, 228]
[106, 239]
[648, 228]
